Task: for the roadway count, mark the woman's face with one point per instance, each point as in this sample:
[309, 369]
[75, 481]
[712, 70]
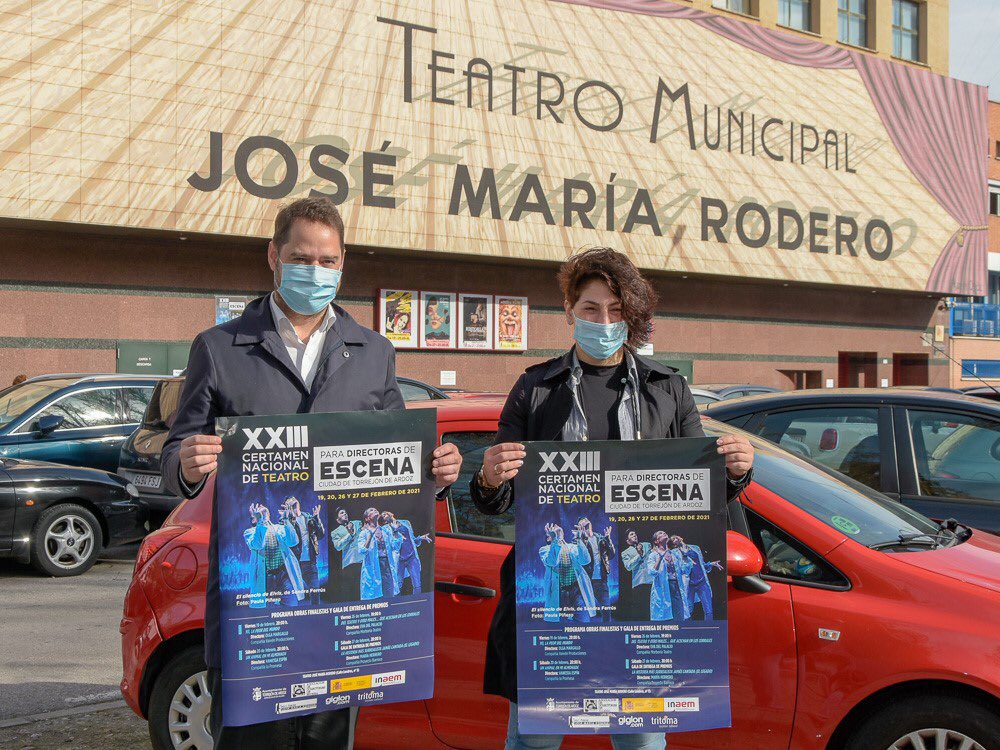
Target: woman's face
[596, 304]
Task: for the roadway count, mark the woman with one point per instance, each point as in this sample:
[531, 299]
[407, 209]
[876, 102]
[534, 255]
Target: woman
[599, 390]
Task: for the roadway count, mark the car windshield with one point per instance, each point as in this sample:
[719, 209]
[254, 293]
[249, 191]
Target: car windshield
[866, 516]
[162, 406]
[18, 399]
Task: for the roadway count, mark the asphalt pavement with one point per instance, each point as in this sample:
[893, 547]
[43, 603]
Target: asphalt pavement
[60, 647]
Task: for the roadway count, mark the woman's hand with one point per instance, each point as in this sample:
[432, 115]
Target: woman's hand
[500, 464]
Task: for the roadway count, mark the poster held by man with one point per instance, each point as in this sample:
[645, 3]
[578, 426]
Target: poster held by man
[283, 652]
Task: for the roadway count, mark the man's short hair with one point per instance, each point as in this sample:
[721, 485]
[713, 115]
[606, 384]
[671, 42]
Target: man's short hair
[660, 537]
[321, 210]
[636, 294]
[675, 542]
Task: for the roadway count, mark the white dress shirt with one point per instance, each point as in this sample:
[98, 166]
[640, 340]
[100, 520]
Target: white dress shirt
[304, 354]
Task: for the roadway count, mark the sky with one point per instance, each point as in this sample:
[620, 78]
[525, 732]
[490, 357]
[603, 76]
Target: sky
[975, 43]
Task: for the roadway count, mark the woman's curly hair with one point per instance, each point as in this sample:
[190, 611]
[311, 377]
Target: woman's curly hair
[622, 277]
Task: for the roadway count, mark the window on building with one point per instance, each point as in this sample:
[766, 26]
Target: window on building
[906, 29]
[852, 20]
[995, 199]
[796, 14]
[997, 149]
[737, 6]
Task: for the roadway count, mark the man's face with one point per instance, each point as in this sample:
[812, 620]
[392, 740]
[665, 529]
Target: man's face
[342, 516]
[387, 517]
[371, 516]
[633, 538]
[292, 506]
[585, 528]
[596, 304]
[309, 243]
[510, 320]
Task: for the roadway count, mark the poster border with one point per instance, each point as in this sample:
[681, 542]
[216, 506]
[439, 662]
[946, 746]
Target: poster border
[461, 344]
[525, 309]
[380, 304]
[453, 339]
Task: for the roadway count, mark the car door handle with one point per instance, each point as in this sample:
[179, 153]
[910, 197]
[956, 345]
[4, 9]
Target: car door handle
[464, 589]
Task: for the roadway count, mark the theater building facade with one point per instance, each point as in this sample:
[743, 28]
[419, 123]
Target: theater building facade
[804, 209]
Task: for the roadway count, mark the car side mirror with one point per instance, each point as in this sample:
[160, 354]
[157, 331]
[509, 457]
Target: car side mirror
[742, 556]
[49, 423]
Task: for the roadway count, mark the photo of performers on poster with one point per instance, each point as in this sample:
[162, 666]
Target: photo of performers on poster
[621, 587]
[323, 520]
[437, 329]
[511, 323]
[397, 317]
[476, 331]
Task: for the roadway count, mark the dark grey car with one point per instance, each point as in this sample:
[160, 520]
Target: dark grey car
[935, 451]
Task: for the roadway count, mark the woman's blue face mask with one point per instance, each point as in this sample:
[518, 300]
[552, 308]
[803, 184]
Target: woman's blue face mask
[600, 340]
[308, 289]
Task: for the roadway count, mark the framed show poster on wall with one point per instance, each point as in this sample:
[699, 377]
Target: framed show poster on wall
[475, 329]
[437, 320]
[397, 318]
[511, 323]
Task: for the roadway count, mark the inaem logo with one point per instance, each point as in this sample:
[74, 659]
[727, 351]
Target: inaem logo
[571, 461]
[257, 694]
[296, 436]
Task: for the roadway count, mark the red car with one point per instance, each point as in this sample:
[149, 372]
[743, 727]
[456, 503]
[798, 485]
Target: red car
[869, 627]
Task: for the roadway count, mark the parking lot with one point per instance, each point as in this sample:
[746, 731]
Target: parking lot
[61, 659]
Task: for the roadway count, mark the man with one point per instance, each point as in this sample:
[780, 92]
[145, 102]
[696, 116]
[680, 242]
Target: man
[309, 528]
[634, 604]
[344, 539]
[379, 550]
[667, 569]
[291, 352]
[602, 550]
[698, 589]
[408, 564]
[601, 389]
[274, 569]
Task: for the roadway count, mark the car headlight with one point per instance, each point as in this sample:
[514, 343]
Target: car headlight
[131, 490]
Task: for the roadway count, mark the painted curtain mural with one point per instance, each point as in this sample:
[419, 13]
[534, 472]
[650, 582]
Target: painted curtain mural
[695, 142]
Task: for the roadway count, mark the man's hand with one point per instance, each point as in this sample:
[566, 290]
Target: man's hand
[446, 465]
[425, 537]
[738, 453]
[500, 463]
[316, 512]
[607, 532]
[199, 457]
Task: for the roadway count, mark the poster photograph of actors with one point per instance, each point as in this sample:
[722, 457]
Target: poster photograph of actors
[592, 570]
[376, 555]
[285, 546]
[665, 575]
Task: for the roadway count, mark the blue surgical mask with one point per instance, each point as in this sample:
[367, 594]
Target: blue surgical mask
[308, 289]
[600, 340]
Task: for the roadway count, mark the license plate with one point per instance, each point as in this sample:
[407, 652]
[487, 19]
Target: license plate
[149, 481]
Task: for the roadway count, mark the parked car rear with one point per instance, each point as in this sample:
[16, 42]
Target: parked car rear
[79, 420]
[937, 452]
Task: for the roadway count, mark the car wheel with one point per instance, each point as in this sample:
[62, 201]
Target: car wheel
[180, 704]
[65, 541]
[931, 722]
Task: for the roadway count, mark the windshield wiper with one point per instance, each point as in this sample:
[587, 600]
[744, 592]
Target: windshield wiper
[914, 540]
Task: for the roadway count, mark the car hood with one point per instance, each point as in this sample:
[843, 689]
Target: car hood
[976, 561]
